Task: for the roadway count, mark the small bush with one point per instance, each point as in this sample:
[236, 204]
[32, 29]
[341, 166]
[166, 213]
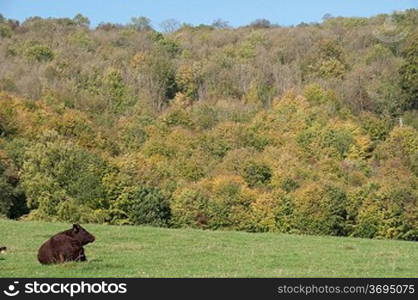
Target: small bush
[320, 209]
[145, 205]
[339, 140]
[388, 213]
[285, 214]
[257, 174]
[190, 208]
[5, 31]
[6, 194]
[289, 184]
[39, 53]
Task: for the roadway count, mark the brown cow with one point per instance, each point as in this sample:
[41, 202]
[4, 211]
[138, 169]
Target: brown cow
[65, 246]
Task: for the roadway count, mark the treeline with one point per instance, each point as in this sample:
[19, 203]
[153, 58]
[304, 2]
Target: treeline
[307, 129]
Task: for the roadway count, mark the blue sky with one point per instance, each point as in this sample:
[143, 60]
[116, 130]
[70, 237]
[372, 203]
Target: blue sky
[237, 12]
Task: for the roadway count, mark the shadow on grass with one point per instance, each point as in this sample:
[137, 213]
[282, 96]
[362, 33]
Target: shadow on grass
[92, 264]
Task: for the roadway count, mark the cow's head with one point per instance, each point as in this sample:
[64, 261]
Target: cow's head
[82, 235]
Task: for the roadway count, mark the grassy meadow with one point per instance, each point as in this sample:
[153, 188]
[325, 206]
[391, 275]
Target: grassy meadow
[136, 251]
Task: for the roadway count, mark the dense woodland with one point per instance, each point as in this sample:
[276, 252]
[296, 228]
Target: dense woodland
[309, 129]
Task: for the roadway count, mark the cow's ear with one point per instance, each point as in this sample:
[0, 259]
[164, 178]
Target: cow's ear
[76, 228]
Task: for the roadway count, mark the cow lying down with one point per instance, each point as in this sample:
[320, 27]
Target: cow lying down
[65, 246]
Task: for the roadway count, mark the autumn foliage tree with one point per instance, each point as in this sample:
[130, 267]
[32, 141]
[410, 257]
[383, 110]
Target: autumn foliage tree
[309, 129]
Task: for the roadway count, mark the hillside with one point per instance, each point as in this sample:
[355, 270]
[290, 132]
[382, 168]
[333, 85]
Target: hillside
[309, 129]
[136, 251]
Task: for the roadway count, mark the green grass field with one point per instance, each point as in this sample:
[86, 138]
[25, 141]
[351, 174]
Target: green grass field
[130, 251]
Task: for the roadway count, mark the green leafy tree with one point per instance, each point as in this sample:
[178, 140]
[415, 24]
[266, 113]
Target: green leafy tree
[409, 74]
[81, 20]
[39, 53]
[56, 171]
[141, 23]
[144, 205]
[257, 174]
